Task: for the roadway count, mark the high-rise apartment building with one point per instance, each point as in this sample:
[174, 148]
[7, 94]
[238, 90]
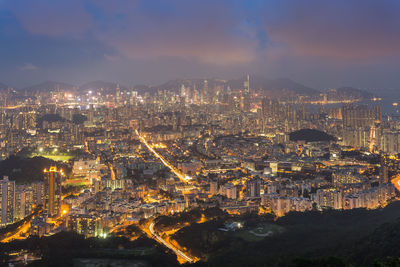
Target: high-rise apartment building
[360, 115]
[52, 191]
[253, 187]
[7, 198]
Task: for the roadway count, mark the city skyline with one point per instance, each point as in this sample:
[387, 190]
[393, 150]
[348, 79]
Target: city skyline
[199, 133]
[153, 41]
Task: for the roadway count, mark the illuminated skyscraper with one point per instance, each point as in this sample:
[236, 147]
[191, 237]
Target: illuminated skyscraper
[206, 92]
[117, 95]
[7, 198]
[246, 84]
[52, 191]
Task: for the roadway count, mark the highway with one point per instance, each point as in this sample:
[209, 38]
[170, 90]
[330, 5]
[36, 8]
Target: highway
[180, 175]
[165, 243]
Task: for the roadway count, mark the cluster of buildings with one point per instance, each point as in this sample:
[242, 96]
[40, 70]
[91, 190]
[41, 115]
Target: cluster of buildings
[201, 144]
[18, 201]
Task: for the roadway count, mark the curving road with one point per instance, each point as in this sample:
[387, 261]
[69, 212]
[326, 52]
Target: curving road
[168, 245]
[17, 235]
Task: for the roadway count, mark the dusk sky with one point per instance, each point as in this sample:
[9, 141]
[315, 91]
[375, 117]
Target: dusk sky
[322, 44]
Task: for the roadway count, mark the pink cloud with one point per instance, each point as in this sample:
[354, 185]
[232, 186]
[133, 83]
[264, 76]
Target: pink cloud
[342, 30]
[203, 31]
[28, 66]
[53, 18]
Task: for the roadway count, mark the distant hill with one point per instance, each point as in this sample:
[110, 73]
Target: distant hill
[3, 87]
[310, 135]
[199, 84]
[97, 85]
[49, 86]
[349, 93]
[142, 88]
[175, 85]
[381, 244]
[276, 87]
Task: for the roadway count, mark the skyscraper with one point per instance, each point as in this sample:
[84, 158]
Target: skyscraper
[52, 191]
[117, 95]
[7, 198]
[246, 84]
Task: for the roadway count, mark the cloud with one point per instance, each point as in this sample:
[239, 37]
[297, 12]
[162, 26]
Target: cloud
[157, 39]
[221, 32]
[207, 31]
[52, 18]
[204, 31]
[340, 30]
[28, 66]
[112, 58]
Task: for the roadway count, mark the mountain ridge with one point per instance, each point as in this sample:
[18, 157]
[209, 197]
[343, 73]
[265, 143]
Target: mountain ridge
[272, 87]
[48, 86]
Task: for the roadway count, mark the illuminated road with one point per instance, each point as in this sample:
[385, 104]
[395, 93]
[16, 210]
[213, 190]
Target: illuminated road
[165, 243]
[166, 163]
[21, 230]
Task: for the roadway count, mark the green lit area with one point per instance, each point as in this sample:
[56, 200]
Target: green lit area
[53, 153]
[54, 157]
[260, 232]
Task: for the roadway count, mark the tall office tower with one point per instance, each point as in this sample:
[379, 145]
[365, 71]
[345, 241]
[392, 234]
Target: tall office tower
[206, 92]
[7, 198]
[52, 191]
[245, 103]
[91, 113]
[117, 95]
[183, 90]
[196, 96]
[246, 84]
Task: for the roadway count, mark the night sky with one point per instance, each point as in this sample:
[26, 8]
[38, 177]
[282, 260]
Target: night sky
[323, 44]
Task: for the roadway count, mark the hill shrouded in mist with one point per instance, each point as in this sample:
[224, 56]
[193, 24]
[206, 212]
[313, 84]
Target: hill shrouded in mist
[275, 86]
[97, 85]
[351, 92]
[49, 86]
[3, 86]
[272, 87]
